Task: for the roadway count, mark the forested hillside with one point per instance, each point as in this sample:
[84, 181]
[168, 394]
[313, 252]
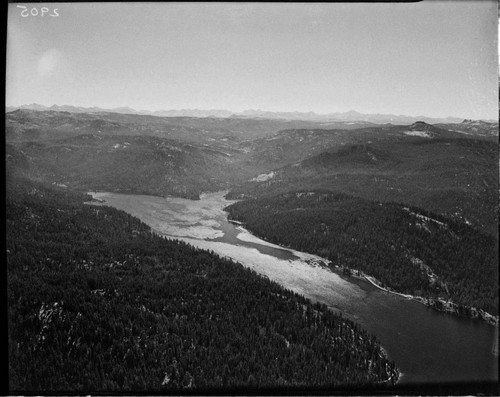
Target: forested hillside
[126, 164]
[457, 177]
[96, 302]
[450, 169]
[99, 303]
[406, 248]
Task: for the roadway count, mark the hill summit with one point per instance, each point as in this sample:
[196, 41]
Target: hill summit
[421, 125]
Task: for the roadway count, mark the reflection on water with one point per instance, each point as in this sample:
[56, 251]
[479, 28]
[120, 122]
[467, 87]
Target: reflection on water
[427, 346]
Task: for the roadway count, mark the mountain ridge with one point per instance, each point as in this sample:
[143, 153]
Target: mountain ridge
[350, 115]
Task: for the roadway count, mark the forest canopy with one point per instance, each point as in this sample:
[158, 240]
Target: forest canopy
[97, 302]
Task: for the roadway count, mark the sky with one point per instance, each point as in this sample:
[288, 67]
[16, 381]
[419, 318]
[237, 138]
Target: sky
[432, 58]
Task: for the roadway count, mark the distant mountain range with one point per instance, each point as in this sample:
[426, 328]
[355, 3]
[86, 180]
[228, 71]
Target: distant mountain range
[125, 110]
[351, 115]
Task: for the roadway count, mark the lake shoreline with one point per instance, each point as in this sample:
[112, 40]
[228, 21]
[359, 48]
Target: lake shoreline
[449, 307]
[437, 304]
[384, 315]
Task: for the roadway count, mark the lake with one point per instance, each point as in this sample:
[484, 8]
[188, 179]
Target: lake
[427, 346]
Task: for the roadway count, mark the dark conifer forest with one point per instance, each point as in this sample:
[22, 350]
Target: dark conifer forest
[407, 249]
[251, 199]
[97, 302]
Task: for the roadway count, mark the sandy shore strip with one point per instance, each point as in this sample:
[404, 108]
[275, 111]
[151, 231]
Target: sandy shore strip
[372, 281]
[311, 259]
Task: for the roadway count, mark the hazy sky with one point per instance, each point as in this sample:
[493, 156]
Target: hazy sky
[434, 58]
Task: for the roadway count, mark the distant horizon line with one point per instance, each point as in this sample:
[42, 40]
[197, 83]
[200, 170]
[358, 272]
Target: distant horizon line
[242, 112]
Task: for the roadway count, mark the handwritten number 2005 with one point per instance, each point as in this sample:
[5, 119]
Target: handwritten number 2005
[34, 12]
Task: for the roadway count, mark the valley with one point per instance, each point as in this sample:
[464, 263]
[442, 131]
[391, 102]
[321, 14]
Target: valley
[304, 205]
[241, 198]
[450, 173]
[410, 332]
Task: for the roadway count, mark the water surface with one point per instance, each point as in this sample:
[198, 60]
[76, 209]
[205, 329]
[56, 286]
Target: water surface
[427, 346]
